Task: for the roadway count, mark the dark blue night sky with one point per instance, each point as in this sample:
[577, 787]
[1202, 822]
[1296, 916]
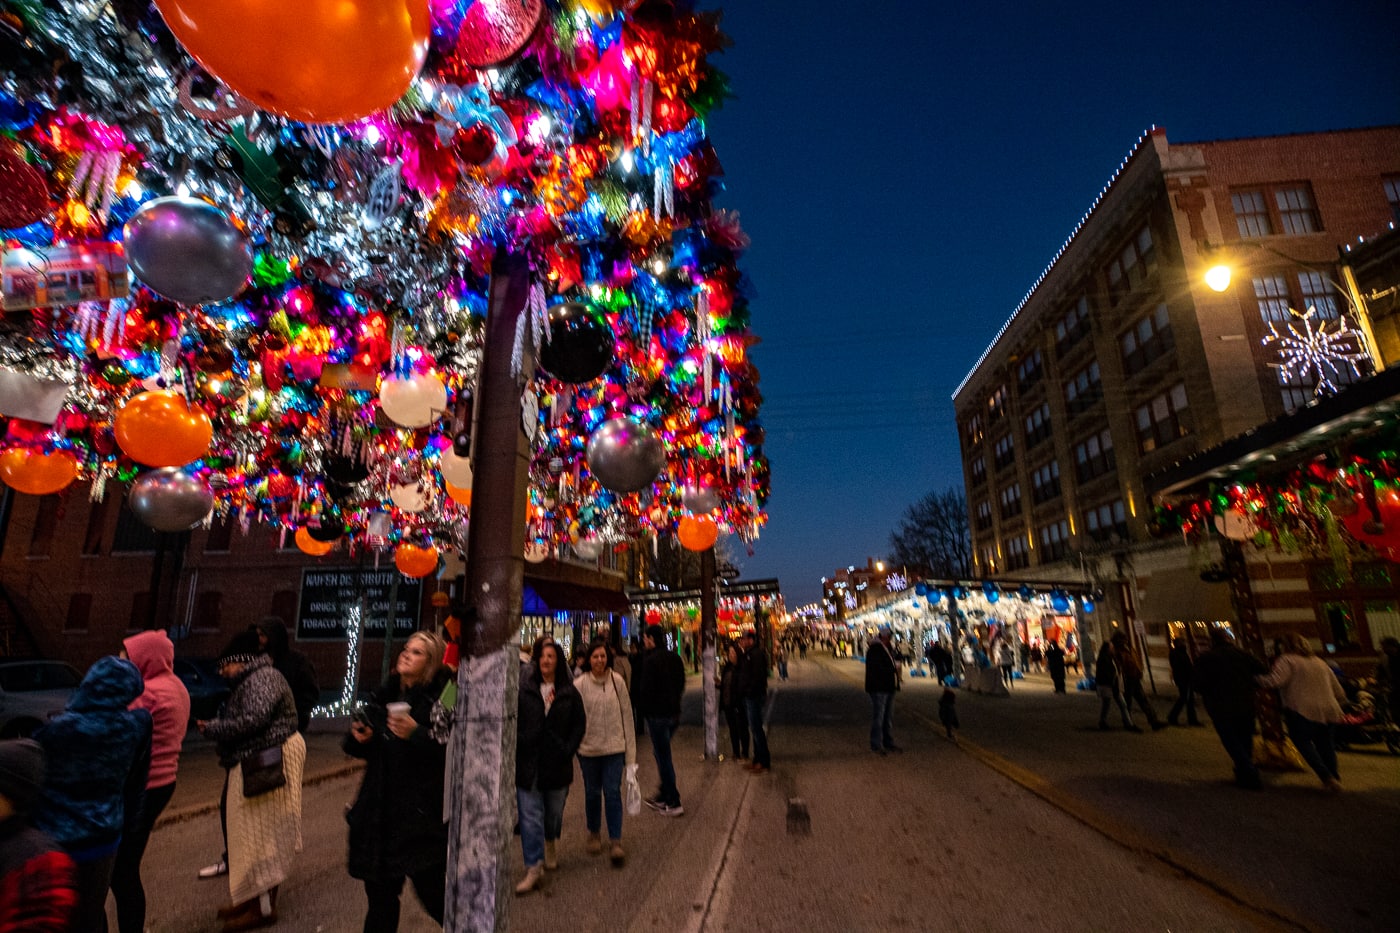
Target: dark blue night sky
[906, 172]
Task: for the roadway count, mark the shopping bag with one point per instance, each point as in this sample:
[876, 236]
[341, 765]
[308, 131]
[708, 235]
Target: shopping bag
[632, 791]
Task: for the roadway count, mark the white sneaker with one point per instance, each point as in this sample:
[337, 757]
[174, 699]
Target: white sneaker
[216, 870]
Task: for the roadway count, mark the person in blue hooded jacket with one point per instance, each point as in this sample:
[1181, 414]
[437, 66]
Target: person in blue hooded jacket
[99, 754]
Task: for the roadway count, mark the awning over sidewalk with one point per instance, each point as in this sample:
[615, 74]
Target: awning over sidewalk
[542, 597]
[1179, 595]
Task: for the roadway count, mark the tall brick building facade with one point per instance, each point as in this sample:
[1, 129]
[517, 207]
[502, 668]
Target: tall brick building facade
[1121, 361]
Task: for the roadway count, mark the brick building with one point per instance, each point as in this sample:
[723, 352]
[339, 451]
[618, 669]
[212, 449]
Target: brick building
[1120, 361]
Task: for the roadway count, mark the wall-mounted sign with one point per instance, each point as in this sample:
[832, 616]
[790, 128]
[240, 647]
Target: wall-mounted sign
[328, 595]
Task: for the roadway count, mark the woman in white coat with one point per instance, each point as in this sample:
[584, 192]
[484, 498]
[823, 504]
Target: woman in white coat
[1312, 705]
[609, 746]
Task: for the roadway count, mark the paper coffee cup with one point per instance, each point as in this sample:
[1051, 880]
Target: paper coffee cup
[402, 709]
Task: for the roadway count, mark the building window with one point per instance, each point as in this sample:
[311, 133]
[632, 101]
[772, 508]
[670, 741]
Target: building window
[133, 535]
[1132, 264]
[979, 470]
[974, 429]
[1083, 389]
[1011, 500]
[984, 515]
[1037, 425]
[45, 523]
[1054, 541]
[96, 527]
[988, 559]
[1252, 214]
[1017, 554]
[220, 535]
[1105, 522]
[140, 611]
[1094, 456]
[1392, 197]
[1045, 482]
[1276, 295]
[1004, 454]
[79, 612]
[1318, 294]
[1296, 210]
[1029, 370]
[996, 405]
[1148, 340]
[1073, 327]
[1163, 419]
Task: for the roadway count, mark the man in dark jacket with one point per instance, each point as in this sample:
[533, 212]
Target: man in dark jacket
[659, 700]
[99, 755]
[293, 665]
[1225, 678]
[36, 877]
[753, 687]
[1055, 664]
[881, 681]
[1184, 676]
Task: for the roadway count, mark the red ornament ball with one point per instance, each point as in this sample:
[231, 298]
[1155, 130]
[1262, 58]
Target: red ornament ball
[24, 192]
[476, 144]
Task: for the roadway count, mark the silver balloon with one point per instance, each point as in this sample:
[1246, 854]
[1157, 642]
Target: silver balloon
[700, 499]
[169, 499]
[625, 456]
[188, 250]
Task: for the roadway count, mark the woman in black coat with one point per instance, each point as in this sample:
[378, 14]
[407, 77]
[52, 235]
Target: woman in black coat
[549, 729]
[396, 823]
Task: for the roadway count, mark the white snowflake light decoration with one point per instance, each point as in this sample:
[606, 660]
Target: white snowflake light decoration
[896, 583]
[1315, 354]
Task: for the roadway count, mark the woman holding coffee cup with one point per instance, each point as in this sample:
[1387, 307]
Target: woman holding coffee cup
[396, 822]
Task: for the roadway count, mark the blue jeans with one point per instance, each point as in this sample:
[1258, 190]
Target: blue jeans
[660, 731]
[753, 708]
[881, 721]
[602, 789]
[1314, 742]
[541, 818]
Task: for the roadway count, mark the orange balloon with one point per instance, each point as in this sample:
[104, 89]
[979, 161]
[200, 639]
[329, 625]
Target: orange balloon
[309, 545]
[37, 474]
[317, 61]
[462, 495]
[414, 561]
[160, 429]
[697, 532]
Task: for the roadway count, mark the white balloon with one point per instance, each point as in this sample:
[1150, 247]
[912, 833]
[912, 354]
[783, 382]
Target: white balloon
[456, 470]
[413, 401]
[408, 497]
[1235, 526]
[588, 548]
[380, 525]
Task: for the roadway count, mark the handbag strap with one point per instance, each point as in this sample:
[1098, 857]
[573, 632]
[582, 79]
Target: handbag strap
[621, 710]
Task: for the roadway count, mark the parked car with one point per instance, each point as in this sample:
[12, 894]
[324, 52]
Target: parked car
[31, 693]
[208, 690]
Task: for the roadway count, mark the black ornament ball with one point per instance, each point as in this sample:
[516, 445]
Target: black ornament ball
[580, 345]
[345, 471]
[330, 528]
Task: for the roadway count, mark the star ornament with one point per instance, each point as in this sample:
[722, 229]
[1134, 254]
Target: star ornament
[1310, 351]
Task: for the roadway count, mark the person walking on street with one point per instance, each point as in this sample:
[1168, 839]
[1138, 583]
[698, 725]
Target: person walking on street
[608, 750]
[1132, 681]
[881, 681]
[753, 686]
[1183, 675]
[732, 703]
[396, 823]
[1005, 659]
[1108, 678]
[1055, 664]
[550, 727]
[1312, 705]
[1224, 676]
[781, 660]
[663, 683]
[292, 665]
[37, 893]
[164, 696]
[99, 755]
[263, 756]
[948, 713]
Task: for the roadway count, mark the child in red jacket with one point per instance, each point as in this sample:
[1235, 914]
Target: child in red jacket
[36, 876]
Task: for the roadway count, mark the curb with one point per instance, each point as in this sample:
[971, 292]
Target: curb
[1115, 831]
[185, 814]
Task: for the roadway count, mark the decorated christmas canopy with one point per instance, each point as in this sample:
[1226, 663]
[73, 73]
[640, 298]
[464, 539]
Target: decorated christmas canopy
[1324, 479]
[257, 249]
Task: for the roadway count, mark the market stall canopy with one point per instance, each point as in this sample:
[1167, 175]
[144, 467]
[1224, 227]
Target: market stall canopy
[542, 597]
[1366, 409]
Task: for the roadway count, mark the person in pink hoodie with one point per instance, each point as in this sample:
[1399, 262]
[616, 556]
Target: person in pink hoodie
[168, 702]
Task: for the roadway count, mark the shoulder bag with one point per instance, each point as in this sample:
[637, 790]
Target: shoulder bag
[262, 772]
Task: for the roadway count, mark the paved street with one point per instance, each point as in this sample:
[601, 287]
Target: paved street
[1036, 821]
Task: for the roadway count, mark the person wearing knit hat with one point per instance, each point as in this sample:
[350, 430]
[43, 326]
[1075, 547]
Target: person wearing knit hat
[36, 876]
